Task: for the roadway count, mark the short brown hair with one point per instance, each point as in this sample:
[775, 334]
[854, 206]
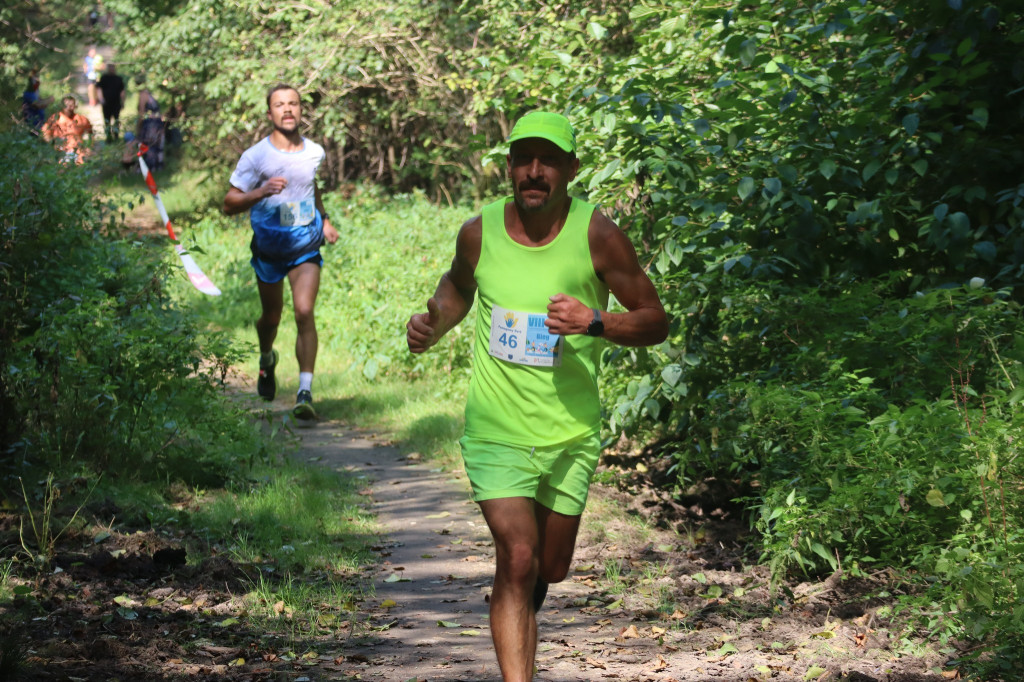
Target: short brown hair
[279, 86]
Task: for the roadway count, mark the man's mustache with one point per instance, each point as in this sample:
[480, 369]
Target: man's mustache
[543, 186]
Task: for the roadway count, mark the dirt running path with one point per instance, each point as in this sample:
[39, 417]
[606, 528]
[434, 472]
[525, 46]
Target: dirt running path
[427, 616]
[436, 571]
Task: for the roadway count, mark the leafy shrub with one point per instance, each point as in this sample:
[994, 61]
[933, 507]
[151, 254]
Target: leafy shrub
[407, 244]
[101, 370]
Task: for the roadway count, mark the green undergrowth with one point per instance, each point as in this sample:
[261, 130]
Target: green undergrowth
[114, 413]
[288, 516]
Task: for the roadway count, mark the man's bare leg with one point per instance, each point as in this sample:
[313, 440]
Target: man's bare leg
[272, 303]
[557, 542]
[513, 524]
[305, 283]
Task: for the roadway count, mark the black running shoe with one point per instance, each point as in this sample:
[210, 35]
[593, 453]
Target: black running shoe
[540, 590]
[303, 410]
[266, 386]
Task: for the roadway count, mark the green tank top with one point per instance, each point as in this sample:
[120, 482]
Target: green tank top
[523, 404]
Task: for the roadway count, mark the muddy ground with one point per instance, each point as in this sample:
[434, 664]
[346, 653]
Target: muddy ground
[660, 591]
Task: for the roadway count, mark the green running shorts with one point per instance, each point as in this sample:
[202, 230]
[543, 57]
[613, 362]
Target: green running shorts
[556, 476]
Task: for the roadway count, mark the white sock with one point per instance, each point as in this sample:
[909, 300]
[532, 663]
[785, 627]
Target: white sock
[305, 381]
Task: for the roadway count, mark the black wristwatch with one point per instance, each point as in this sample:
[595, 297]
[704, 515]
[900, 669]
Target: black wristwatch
[324, 217]
[596, 326]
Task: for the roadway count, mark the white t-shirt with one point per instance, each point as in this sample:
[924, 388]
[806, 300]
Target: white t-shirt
[285, 225]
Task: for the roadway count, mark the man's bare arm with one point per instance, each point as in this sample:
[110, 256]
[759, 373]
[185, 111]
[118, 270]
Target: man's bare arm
[453, 297]
[644, 323]
[237, 201]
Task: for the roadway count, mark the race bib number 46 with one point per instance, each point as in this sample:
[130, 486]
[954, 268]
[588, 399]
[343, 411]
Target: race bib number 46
[523, 338]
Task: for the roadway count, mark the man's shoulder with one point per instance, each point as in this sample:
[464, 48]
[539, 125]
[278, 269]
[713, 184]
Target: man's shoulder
[258, 149]
[313, 148]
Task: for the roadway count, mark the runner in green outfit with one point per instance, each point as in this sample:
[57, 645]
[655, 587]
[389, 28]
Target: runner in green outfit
[542, 265]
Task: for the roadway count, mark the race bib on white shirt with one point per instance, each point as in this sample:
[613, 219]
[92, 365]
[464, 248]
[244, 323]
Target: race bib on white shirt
[293, 213]
[523, 338]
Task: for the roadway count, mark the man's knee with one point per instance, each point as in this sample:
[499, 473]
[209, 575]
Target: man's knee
[519, 560]
[304, 318]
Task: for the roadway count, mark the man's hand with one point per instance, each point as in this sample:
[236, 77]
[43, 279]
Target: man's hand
[421, 330]
[568, 315]
[273, 186]
[330, 234]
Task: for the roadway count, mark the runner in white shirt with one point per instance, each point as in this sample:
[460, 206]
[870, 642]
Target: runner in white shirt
[275, 180]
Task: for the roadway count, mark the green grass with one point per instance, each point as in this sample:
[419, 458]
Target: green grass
[303, 526]
[295, 519]
[292, 516]
[383, 268]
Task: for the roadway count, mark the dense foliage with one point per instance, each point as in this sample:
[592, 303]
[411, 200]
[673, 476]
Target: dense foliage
[101, 370]
[29, 29]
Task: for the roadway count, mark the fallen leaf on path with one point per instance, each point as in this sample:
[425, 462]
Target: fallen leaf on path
[439, 515]
[388, 604]
[658, 665]
[629, 633]
[448, 624]
[395, 578]
[470, 633]
[596, 663]
[814, 672]
[721, 653]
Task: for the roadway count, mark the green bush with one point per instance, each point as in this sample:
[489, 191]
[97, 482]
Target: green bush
[102, 371]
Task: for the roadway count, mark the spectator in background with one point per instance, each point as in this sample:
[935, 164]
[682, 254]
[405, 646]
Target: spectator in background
[112, 92]
[67, 129]
[89, 69]
[150, 128]
[33, 107]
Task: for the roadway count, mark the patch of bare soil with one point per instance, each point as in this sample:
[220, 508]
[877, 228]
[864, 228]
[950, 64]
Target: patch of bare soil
[662, 590]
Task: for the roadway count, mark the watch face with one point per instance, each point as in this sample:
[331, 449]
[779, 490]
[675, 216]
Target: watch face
[596, 328]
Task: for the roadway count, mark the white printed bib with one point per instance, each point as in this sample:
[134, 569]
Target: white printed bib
[523, 338]
[296, 212]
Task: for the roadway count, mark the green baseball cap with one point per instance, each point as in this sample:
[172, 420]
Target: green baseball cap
[546, 125]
